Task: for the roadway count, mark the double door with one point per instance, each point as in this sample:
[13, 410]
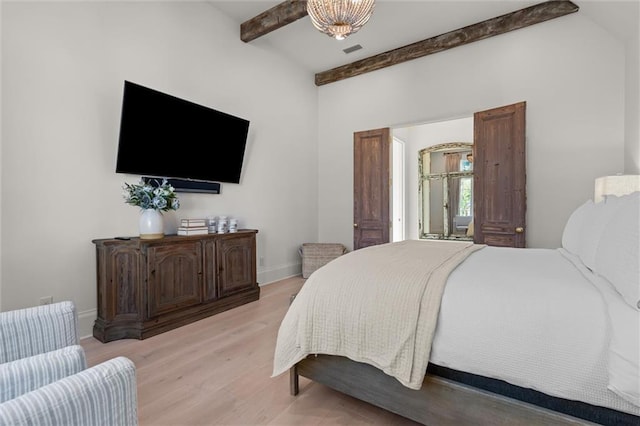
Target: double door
[499, 181]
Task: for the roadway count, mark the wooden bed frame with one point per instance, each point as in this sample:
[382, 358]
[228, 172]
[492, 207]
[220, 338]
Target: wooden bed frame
[440, 401]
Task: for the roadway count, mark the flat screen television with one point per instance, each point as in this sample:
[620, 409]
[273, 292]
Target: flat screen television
[167, 137]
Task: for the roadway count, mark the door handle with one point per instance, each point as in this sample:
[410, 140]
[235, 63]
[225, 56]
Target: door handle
[519, 230]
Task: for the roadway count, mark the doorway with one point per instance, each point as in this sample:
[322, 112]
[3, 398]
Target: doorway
[499, 206]
[417, 138]
[397, 190]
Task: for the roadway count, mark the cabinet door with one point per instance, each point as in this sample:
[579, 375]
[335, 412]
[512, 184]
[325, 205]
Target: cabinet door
[174, 276]
[236, 264]
[118, 289]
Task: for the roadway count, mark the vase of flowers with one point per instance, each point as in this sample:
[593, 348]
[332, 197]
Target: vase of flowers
[153, 197]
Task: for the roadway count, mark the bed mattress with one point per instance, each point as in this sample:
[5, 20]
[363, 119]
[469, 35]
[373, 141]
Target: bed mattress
[548, 330]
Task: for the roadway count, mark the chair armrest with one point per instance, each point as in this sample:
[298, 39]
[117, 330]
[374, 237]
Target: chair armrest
[31, 331]
[102, 395]
[27, 374]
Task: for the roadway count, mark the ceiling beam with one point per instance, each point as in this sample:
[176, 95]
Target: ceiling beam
[499, 25]
[270, 20]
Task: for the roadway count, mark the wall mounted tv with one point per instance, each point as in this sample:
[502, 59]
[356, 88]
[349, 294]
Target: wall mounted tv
[165, 136]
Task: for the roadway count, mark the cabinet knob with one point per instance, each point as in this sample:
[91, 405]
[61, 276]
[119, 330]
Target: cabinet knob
[355, 225]
[519, 230]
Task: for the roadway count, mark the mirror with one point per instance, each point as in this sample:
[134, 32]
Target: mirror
[445, 191]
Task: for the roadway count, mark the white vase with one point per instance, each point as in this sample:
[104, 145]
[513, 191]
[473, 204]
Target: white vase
[151, 224]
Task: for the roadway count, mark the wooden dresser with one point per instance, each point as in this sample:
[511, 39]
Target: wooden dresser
[146, 287]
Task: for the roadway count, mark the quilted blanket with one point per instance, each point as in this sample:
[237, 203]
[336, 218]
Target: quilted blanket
[378, 305]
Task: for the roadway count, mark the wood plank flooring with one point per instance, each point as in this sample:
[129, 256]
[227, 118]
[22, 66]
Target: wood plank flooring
[217, 371]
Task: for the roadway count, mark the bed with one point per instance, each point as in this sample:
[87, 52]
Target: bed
[479, 334]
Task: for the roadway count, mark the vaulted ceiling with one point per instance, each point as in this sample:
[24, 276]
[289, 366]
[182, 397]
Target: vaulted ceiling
[404, 30]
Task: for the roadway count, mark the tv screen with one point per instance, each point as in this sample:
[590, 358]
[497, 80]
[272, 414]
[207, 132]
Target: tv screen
[165, 136]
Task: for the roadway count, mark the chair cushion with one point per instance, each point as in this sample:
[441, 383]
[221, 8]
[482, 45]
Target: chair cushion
[102, 395]
[24, 375]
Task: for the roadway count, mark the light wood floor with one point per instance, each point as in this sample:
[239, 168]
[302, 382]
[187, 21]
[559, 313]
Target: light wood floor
[217, 371]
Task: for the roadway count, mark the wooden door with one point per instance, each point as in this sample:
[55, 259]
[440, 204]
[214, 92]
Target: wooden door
[500, 176]
[371, 184]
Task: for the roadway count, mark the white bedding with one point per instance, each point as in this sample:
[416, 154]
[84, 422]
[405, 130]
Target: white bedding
[352, 307]
[531, 318]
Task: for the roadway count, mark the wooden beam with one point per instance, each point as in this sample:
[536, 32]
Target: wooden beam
[502, 24]
[270, 20]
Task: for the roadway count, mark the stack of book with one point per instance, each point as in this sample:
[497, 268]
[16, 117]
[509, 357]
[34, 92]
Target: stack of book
[193, 227]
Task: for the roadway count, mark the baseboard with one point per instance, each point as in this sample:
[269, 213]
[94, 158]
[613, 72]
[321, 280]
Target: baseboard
[85, 322]
[268, 276]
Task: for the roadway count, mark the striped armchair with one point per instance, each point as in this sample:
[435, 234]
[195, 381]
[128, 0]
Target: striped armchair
[44, 377]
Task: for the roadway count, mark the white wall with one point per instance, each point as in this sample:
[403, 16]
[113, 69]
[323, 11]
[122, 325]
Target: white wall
[632, 101]
[63, 67]
[568, 70]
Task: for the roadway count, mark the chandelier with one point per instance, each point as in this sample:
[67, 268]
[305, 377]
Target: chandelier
[339, 18]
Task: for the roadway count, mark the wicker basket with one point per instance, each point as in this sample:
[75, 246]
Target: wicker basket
[316, 255]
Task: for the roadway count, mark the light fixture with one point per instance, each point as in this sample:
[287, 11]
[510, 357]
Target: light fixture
[615, 185]
[339, 18]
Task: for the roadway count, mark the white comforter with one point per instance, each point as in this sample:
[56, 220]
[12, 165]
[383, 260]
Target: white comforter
[377, 305]
[529, 317]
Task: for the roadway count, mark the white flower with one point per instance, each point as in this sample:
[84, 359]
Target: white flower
[151, 195]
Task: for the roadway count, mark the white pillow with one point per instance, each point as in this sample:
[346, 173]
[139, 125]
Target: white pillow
[572, 234]
[593, 227]
[618, 253]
